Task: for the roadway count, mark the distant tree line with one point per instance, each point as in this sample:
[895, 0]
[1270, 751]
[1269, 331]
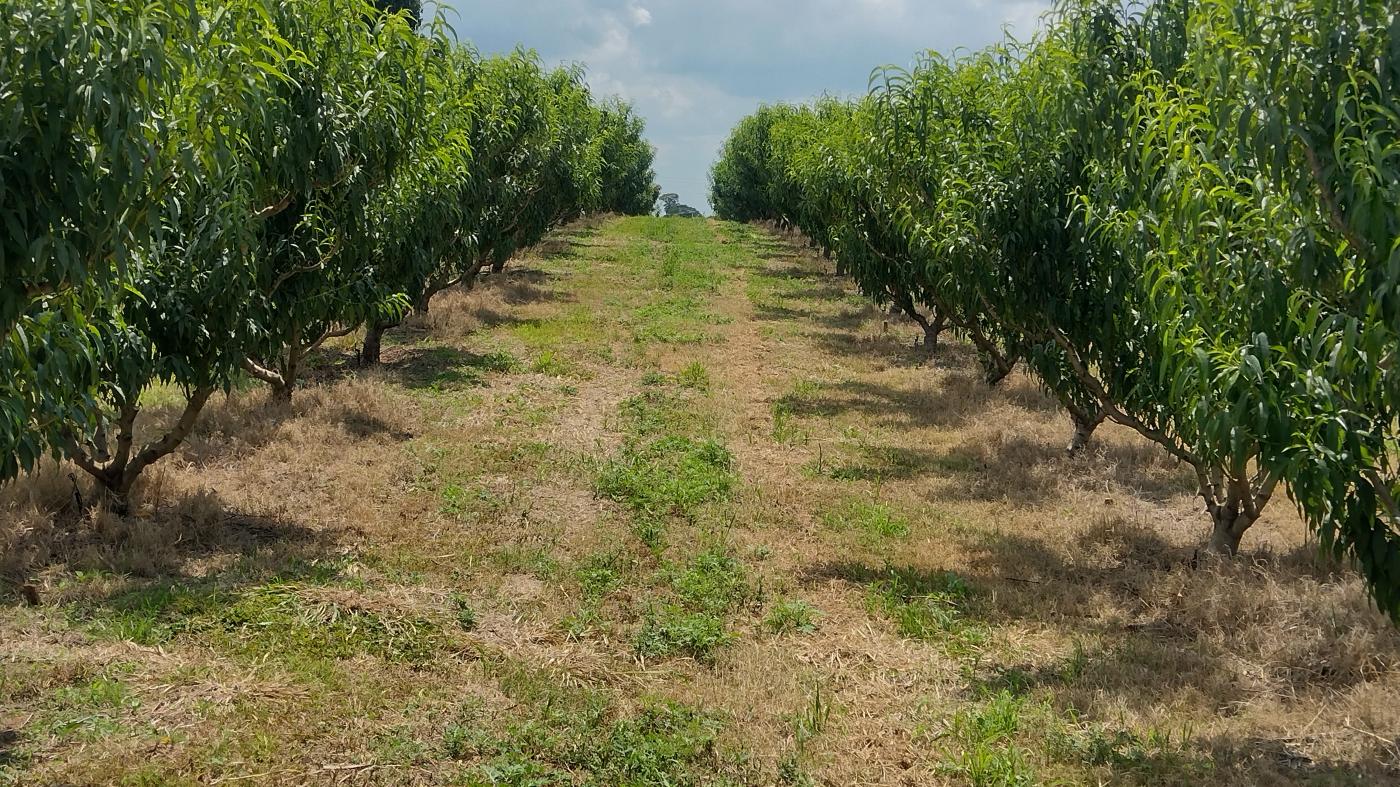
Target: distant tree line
[671, 206]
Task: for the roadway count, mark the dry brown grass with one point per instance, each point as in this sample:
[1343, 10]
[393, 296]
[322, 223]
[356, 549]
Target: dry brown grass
[441, 515]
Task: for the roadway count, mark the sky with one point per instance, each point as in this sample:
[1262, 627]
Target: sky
[694, 68]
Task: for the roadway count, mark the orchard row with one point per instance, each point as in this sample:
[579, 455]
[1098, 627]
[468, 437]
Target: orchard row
[197, 192]
[1182, 217]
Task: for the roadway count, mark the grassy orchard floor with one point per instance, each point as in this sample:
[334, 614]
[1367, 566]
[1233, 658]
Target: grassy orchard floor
[668, 503]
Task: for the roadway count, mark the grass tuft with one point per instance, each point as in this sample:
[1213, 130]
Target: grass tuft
[791, 616]
[930, 608]
[873, 520]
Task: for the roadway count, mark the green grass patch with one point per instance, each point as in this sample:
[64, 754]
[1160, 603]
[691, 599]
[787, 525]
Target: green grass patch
[602, 573]
[461, 502]
[1006, 740]
[674, 320]
[562, 734]
[713, 580]
[873, 520]
[89, 710]
[660, 409]
[535, 559]
[555, 364]
[464, 612]
[791, 616]
[574, 327]
[931, 608]
[694, 376]
[707, 589]
[446, 370]
[988, 754]
[670, 629]
[669, 476]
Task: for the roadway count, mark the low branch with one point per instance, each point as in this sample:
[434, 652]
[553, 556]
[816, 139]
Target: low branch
[327, 336]
[1117, 415]
[79, 457]
[1266, 483]
[262, 373]
[173, 438]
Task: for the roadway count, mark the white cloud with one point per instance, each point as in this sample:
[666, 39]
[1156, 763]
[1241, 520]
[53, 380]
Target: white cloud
[694, 68]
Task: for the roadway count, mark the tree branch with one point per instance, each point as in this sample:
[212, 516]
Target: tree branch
[173, 438]
[275, 208]
[328, 335]
[1334, 213]
[1114, 413]
[262, 373]
[321, 263]
[79, 457]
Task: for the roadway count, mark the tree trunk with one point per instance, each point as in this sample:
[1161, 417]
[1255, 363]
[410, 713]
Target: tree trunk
[472, 274]
[283, 388]
[498, 266]
[1085, 423]
[281, 383]
[118, 475]
[1228, 526]
[996, 366]
[420, 304]
[932, 330]
[374, 339]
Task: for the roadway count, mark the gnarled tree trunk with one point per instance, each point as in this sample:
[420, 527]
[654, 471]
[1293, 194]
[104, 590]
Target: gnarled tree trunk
[374, 340]
[996, 365]
[1234, 500]
[1085, 423]
[932, 328]
[118, 470]
[1227, 530]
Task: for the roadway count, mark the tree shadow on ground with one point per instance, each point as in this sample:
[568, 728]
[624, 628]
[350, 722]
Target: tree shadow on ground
[1265, 761]
[850, 318]
[247, 421]
[800, 272]
[883, 463]
[439, 368]
[1160, 627]
[523, 286]
[888, 406]
[779, 312]
[1026, 470]
[495, 318]
[175, 540]
[1019, 470]
[989, 464]
[891, 347]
